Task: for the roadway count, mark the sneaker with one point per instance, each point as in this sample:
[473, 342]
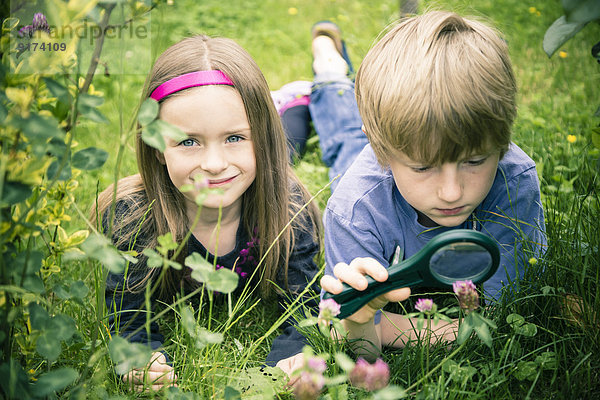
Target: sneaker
[291, 94]
[331, 30]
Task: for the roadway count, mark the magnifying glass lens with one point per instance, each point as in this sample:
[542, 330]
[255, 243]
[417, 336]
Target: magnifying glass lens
[460, 261]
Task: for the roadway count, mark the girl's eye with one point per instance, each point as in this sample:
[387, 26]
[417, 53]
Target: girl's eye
[234, 139]
[187, 142]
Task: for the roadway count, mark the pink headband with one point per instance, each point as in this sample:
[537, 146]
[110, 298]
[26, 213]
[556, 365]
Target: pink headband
[198, 78]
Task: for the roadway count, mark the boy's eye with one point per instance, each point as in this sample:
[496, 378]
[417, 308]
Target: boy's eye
[187, 142]
[420, 169]
[476, 161]
[234, 139]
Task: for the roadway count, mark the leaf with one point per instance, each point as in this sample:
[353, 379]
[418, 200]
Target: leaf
[3, 113]
[48, 346]
[79, 290]
[232, 394]
[61, 326]
[390, 392]
[596, 134]
[37, 127]
[526, 370]
[582, 11]
[222, 280]
[166, 243]
[86, 105]
[312, 321]
[54, 173]
[128, 355]
[483, 332]
[90, 158]
[201, 268]
[559, 33]
[38, 316]
[154, 134]
[99, 248]
[205, 337]
[153, 138]
[15, 192]
[58, 90]
[344, 362]
[148, 112]
[54, 381]
[155, 260]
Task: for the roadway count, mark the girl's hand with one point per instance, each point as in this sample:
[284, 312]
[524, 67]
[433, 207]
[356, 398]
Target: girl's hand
[353, 274]
[289, 365]
[157, 375]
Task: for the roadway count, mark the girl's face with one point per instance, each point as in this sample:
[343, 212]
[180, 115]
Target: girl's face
[219, 146]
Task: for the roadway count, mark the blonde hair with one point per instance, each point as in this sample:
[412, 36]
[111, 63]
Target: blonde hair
[268, 202]
[437, 87]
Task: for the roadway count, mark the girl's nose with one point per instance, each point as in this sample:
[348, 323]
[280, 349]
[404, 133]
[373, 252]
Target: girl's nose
[213, 161]
[450, 188]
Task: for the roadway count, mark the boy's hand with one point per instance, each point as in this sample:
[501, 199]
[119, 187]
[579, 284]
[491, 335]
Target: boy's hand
[158, 375]
[353, 274]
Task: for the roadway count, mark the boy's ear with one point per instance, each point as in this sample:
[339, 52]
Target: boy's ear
[160, 157]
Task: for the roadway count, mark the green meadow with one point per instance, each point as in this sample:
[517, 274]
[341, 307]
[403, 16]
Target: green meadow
[55, 342]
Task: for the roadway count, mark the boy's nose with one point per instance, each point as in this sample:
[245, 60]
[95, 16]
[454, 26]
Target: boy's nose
[213, 161]
[451, 187]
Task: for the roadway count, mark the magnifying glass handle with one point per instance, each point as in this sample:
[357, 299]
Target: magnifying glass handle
[351, 300]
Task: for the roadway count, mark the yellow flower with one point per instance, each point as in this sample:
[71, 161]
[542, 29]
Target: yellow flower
[571, 138]
[538, 13]
[292, 11]
[533, 261]
[532, 10]
[562, 54]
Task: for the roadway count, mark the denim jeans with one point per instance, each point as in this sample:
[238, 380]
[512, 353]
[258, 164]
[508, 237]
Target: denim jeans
[336, 120]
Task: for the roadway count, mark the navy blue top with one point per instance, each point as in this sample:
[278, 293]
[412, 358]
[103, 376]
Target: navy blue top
[301, 270]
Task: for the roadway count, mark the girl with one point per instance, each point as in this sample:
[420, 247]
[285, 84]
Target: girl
[213, 90]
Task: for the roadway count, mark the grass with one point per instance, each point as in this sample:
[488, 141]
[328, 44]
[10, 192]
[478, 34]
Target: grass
[559, 358]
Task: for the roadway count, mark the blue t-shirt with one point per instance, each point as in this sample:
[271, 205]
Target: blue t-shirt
[367, 217]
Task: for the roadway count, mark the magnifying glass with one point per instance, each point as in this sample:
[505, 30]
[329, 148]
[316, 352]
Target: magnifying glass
[457, 255]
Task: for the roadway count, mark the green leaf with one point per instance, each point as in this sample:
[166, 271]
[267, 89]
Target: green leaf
[15, 192]
[38, 316]
[596, 134]
[232, 394]
[483, 332]
[201, 268]
[37, 127]
[390, 392]
[90, 158]
[205, 337]
[87, 106]
[166, 243]
[53, 171]
[559, 33]
[153, 138]
[188, 321]
[155, 260]
[582, 11]
[54, 381]
[154, 134]
[547, 360]
[222, 280]
[344, 362]
[526, 370]
[127, 355]
[61, 326]
[48, 346]
[148, 112]
[3, 113]
[58, 90]
[79, 290]
[99, 248]
[312, 321]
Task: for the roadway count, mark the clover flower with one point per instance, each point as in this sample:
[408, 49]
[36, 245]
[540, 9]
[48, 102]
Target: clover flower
[370, 376]
[26, 31]
[328, 309]
[316, 364]
[468, 298]
[308, 386]
[40, 23]
[424, 305]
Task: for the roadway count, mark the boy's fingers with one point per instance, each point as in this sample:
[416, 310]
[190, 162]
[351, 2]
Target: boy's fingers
[331, 284]
[397, 295]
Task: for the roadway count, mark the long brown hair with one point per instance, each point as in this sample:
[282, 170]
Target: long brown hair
[268, 202]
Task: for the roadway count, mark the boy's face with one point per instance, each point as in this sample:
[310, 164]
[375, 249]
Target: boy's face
[444, 195]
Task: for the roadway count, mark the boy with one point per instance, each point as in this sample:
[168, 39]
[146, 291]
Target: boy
[437, 99]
